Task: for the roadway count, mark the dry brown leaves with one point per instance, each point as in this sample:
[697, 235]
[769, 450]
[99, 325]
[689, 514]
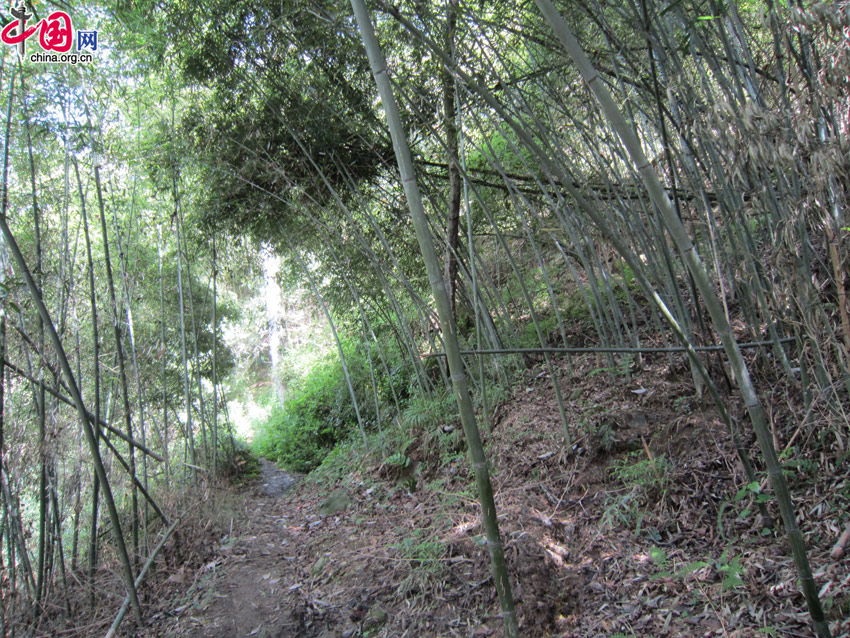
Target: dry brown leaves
[632, 530]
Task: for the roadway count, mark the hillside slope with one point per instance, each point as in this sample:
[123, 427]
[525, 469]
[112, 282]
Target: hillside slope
[645, 527]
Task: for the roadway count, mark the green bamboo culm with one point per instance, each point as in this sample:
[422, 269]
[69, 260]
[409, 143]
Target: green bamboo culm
[73, 388]
[680, 236]
[447, 323]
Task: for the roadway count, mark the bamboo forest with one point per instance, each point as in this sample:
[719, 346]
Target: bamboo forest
[411, 318]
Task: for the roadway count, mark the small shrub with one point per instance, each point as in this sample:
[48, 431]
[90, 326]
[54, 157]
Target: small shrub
[425, 556]
[424, 413]
[728, 570]
[647, 478]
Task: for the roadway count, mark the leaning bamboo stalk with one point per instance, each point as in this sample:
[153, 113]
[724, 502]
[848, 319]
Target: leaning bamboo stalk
[187, 398]
[122, 366]
[15, 535]
[332, 324]
[214, 357]
[405, 337]
[39, 397]
[91, 438]
[94, 420]
[683, 243]
[142, 572]
[470, 246]
[136, 482]
[95, 500]
[164, 438]
[408, 342]
[196, 374]
[553, 371]
[447, 324]
[140, 395]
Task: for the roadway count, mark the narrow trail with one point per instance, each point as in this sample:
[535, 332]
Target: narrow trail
[240, 591]
[630, 532]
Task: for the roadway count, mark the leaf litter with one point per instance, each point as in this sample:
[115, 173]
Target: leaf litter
[644, 526]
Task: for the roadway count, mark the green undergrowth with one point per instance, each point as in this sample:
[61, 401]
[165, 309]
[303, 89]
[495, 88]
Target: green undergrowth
[646, 482]
[297, 441]
[425, 435]
[317, 413]
[246, 464]
[317, 419]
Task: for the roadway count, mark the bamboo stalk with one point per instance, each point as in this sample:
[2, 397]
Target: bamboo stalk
[715, 309]
[351, 393]
[142, 572]
[447, 325]
[95, 500]
[35, 294]
[122, 368]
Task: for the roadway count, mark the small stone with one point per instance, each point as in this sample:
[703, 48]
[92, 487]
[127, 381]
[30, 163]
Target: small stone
[337, 502]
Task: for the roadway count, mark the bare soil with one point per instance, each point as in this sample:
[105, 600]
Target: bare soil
[638, 527]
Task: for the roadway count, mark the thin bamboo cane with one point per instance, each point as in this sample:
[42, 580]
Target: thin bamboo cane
[122, 367]
[438, 287]
[196, 372]
[162, 345]
[142, 572]
[187, 395]
[38, 391]
[214, 359]
[683, 242]
[35, 294]
[352, 394]
[96, 484]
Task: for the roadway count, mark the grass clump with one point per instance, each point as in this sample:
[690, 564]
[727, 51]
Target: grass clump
[646, 482]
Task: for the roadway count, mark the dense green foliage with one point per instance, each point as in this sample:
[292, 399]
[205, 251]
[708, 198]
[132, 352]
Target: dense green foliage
[317, 412]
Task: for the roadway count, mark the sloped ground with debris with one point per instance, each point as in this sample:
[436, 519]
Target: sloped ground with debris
[644, 525]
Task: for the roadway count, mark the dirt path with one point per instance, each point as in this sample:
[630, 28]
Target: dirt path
[239, 592]
[275, 482]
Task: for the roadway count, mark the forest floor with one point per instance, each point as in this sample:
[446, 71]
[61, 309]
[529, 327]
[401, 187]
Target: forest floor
[643, 526]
